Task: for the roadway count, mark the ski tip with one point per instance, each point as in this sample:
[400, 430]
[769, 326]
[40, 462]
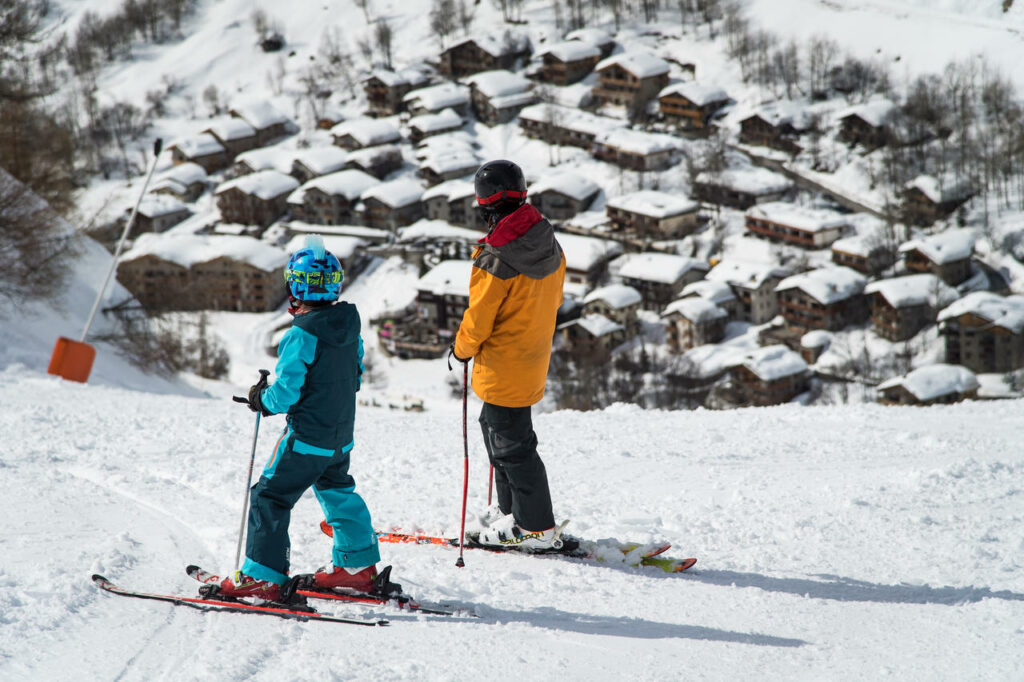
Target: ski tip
[97, 578]
[192, 569]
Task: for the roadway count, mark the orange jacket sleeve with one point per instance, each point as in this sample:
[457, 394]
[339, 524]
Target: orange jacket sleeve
[486, 293]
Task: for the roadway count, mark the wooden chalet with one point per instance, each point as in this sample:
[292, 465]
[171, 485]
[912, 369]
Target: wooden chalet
[361, 133]
[429, 125]
[376, 161]
[630, 79]
[204, 150]
[830, 298]
[498, 96]
[939, 384]
[786, 222]
[437, 168]
[659, 277]
[946, 255]
[926, 199]
[754, 287]
[637, 150]
[653, 215]
[255, 199]
[330, 199]
[586, 261]
[390, 205]
[234, 134]
[436, 98]
[454, 202]
[560, 196]
[690, 106]
[903, 306]
[692, 322]
[567, 62]
[592, 336]
[269, 123]
[385, 90]
[593, 36]
[158, 212]
[185, 182]
[868, 254]
[777, 125]
[556, 124]
[316, 161]
[617, 302]
[741, 187]
[867, 125]
[984, 332]
[485, 53]
[772, 375]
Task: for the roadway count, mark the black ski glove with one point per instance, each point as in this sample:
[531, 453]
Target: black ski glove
[255, 402]
[451, 354]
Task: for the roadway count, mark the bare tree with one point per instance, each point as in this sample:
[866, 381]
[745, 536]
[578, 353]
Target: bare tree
[442, 20]
[365, 6]
[383, 36]
[466, 15]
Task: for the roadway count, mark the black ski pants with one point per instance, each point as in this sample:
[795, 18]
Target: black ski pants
[519, 474]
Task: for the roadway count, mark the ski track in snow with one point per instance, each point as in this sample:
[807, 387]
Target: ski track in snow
[833, 543]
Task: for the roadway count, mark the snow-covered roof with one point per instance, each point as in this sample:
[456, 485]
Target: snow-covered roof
[342, 247]
[876, 113]
[781, 112]
[519, 99]
[568, 183]
[571, 119]
[1001, 311]
[185, 173]
[816, 338]
[259, 113]
[437, 97]
[748, 180]
[156, 205]
[583, 253]
[267, 158]
[350, 184]
[408, 76]
[450, 162]
[596, 325]
[699, 93]
[195, 146]
[744, 274]
[774, 362]
[653, 203]
[666, 268]
[594, 36]
[935, 381]
[695, 309]
[229, 128]
[498, 43]
[572, 50]
[442, 120]
[615, 295]
[826, 285]
[368, 233]
[945, 247]
[912, 290]
[187, 250]
[640, 64]
[369, 155]
[638, 141]
[803, 218]
[396, 194]
[450, 190]
[322, 160]
[498, 83]
[368, 132]
[436, 229]
[447, 278]
[718, 293]
[939, 192]
[266, 184]
[862, 245]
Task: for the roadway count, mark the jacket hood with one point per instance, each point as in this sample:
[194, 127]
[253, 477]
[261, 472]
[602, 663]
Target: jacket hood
[525, 241]
[334, 325]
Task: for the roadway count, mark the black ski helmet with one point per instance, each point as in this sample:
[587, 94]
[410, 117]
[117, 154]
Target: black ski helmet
[499, 181]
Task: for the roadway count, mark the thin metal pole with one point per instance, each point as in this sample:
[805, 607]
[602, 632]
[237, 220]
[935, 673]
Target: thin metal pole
[245, 500]
[460, 562]
[157, 147]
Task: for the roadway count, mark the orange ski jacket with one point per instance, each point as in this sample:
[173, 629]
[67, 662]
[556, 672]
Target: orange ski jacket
[515, 290]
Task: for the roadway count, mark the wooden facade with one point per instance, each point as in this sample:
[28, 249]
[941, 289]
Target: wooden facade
[471, 56]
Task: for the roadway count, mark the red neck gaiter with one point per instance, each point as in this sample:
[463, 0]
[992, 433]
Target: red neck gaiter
[513, 226]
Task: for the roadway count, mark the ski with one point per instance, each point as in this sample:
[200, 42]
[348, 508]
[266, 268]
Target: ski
[210, 604]
[302, 585]
[649, 555]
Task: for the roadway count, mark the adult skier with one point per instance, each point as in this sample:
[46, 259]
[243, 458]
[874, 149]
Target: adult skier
[318, 373]
[515, 291]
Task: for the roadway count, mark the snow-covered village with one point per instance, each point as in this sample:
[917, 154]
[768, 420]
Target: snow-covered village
[734, 290]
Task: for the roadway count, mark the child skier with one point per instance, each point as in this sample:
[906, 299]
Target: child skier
[318, 373]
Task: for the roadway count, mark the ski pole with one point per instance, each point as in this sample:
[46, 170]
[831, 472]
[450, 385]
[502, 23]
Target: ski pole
[460, 562]
[252, 457]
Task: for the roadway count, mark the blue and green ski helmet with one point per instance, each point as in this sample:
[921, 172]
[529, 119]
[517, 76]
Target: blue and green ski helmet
[314, 273]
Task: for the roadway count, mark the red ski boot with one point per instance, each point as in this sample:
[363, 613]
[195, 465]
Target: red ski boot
[245, 587]
[342, 577]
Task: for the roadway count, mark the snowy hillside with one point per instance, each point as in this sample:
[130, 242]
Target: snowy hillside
[834, 543]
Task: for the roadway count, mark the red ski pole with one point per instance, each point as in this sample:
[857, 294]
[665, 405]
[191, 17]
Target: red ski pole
[490, 484]
[465, 458]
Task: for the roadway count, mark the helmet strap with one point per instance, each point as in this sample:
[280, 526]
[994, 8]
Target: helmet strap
[293, 305]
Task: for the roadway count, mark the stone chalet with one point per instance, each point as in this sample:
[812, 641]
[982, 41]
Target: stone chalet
[618, 303]
[592, 335]
[499, 96]
[203, 150]
[586, 261]
[653, 215]
[771, 375]
[561, 195]
[567, 62]
[159, 212]
[316, 161]
[717, 293]
[946, 255]
[984, 332]
[754, 285]
[829, 298]
[930, 385]
[690, 106]
[429, 125]
[556, 124]
[803, 226]
[630, 79]
[330, 199]
[435, 98]
[693, 322]
[926, 199]
[637, 150]
[867, 254]
[659, 277]
[394, 204]
[903, 306]
[255, 199]
[360, 133]
[270, 124]
[777, 125]
[234, 134]
[385, 90]
[186, 182]
[192, 272]
[486, 53]
[454, 202]
[867, 124]
[593, 36]
[741, 187]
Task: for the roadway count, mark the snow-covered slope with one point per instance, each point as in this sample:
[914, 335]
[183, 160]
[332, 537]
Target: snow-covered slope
[834, 543]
